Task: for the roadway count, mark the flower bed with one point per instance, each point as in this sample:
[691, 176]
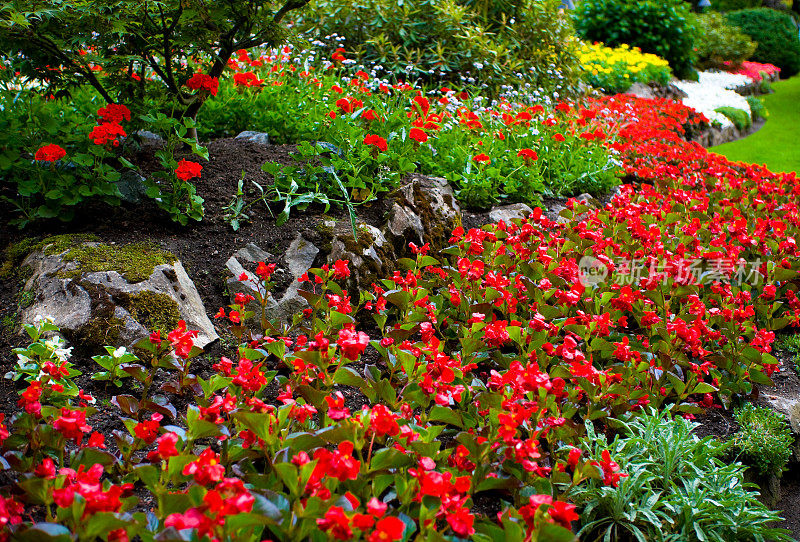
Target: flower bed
[754, 70]
[615, 70]
[715, 90]
[473, 384]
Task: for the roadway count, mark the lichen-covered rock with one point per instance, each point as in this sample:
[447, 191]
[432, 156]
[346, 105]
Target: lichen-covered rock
[100, 294]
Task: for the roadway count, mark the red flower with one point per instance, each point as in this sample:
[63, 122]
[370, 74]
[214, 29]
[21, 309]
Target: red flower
[50, 153]
[107, 132]
[187, 170]
[114, 113]
[264, 270]
[563, 514]
[383, 421]
[482, 158]
[246, 79]
[166, 447]
[206, 469]
[205, 82]
[528, 155]
[609, 468]
[336, 523]
[336, 408]
[340, 269]
[418, 135]
[558, 137]
[352, 343]
[72, 424]
[182, 340]
[148, 430]
[388, 528]
[377, 141]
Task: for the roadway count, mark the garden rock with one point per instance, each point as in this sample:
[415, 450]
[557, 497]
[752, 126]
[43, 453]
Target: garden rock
[99, 308]
[149, 136]
[260, 138]
[507, 213]
[299, 257]
[642, 90]
[788, 406]
[131, 186]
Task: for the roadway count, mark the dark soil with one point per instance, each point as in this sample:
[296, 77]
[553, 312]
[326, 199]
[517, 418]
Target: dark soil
[203, 248]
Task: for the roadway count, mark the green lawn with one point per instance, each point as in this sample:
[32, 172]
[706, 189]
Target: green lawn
[776, 143]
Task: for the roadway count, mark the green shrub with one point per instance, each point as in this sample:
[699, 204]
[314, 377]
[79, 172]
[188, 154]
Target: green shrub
[665, 28]
[775, 34]
[733, 5]
[757, 108]
[718, 42]
[126, 38]
[677, 488]
[491, 42]
[739, 117]
[764, 438]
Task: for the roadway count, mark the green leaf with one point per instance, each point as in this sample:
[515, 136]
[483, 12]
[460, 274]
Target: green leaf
[43, 532]
[347, 376]
[447, 415]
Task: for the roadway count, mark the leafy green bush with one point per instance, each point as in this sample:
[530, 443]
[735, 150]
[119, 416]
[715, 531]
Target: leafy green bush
[775, 34]
[677, 487]
[764, 438]
[114, 46]
[492, 42]
[733, 5]
[718, 42]
[757, 108]
[665, 28]
[739, 117]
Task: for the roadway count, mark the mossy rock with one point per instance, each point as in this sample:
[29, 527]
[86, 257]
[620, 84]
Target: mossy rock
[134, 262]
[16, 253]
[153, 310]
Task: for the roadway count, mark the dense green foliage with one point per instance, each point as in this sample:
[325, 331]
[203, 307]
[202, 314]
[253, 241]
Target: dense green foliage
[776, 35]
[718, 42]
[739, 117]
[664, 28]
[757, 108]
[677, 488]
[492, 42]
[733, 5]
[125, 39]
[764, 438]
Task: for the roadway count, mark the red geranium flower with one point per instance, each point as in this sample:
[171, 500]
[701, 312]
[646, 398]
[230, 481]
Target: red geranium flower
[418, 135]
[50, 153]
[187, 170]
[482, 158]
[377, 141]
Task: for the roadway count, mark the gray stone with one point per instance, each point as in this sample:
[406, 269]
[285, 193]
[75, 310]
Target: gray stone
[642, 90]
[131, 186]
[75, 300]
[404, 222]
[260, 138]
[146, 134]
[251, 254]
[788, 406]
[507, 213]
[298, 259]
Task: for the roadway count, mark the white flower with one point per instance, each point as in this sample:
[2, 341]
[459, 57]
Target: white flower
[119, 352]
